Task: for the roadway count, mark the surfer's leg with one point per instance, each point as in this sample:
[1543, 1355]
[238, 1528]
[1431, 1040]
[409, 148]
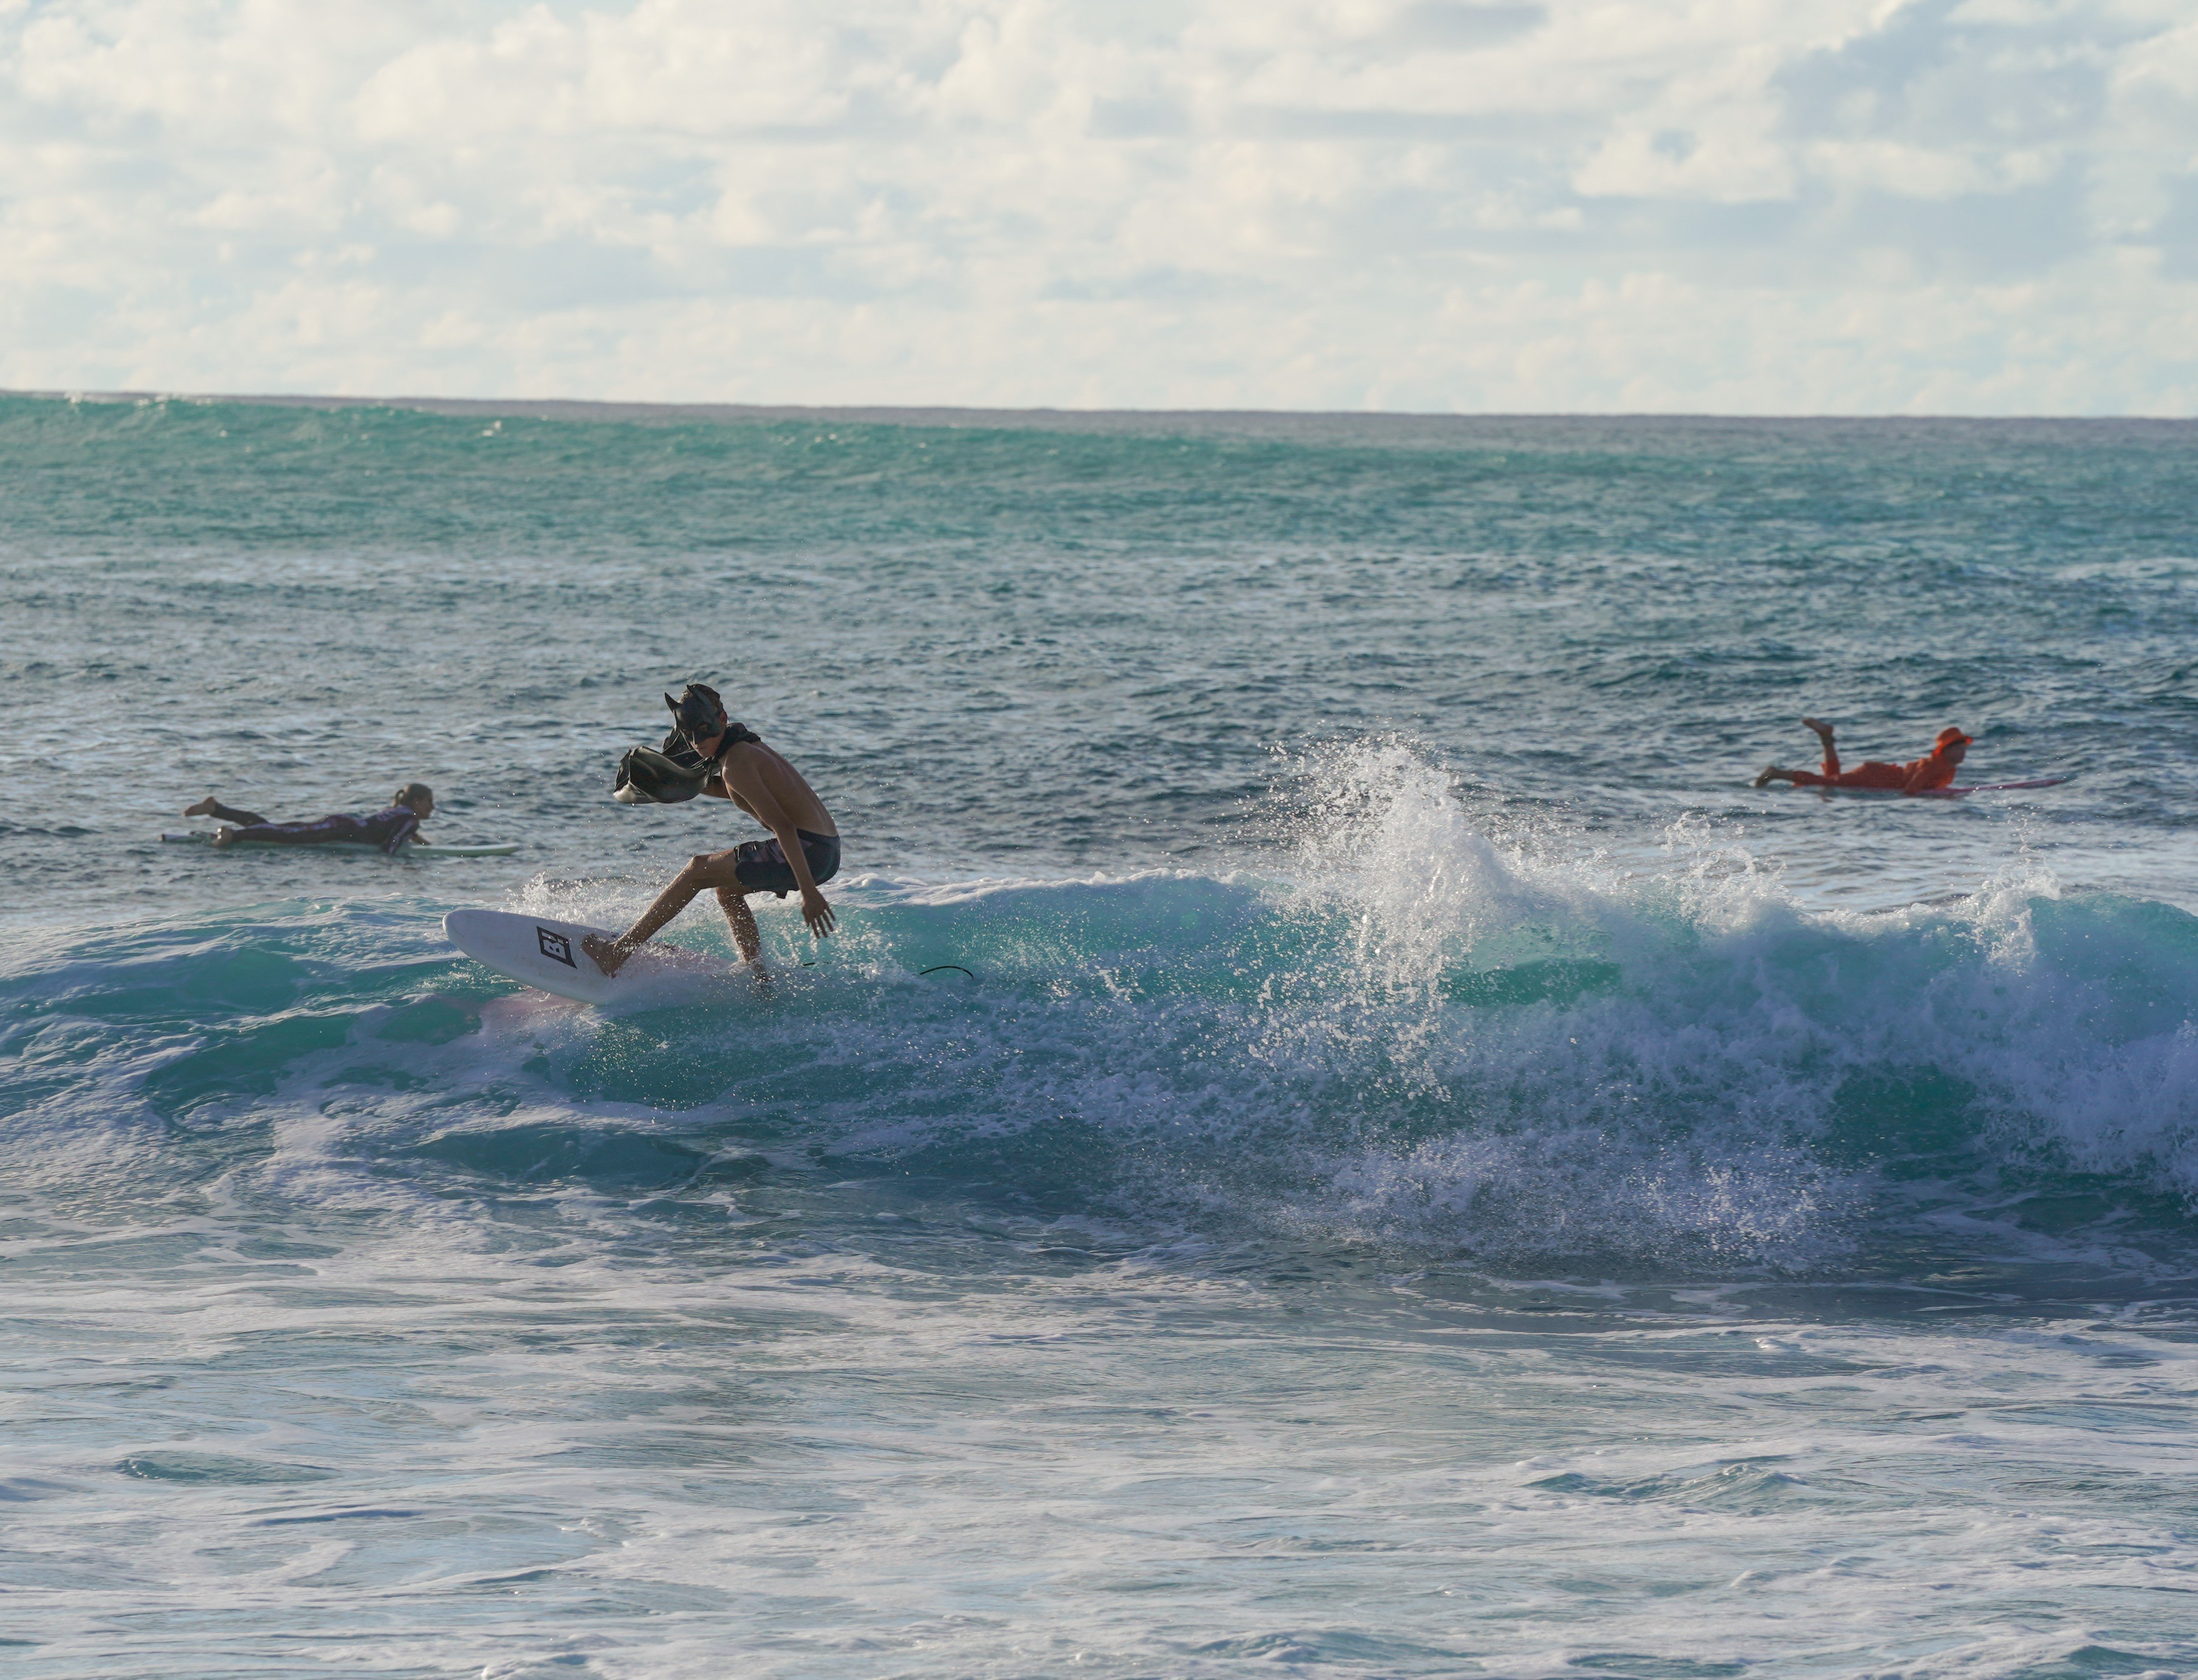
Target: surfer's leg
[210, 807]
[1875, 774]
[734, 901]
[318, 833]
[1831, 773]
[1827, 777]
[760, 866]
[709, 869]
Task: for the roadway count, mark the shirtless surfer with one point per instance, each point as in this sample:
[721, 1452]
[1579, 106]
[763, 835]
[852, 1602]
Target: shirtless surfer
[1934, 770]
[388, 828]
[804, 848]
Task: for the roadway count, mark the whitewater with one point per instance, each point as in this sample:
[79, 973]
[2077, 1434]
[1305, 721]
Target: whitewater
[1339, 1135]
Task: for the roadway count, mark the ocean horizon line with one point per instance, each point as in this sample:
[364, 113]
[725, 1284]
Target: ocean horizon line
[1041, 417]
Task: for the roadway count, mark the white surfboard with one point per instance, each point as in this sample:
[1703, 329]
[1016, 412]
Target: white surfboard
[545, 954]
[414, 848]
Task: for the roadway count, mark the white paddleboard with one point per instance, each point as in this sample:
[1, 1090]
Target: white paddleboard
[545, 954]
[414, 848]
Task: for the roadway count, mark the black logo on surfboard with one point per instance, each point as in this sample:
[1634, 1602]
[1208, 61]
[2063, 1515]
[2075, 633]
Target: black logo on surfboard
[556, 945]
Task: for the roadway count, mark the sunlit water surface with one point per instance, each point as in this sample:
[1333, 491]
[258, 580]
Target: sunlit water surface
[1415, 1168]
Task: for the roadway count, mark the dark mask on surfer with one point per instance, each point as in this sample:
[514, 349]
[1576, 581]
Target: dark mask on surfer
[698, 713]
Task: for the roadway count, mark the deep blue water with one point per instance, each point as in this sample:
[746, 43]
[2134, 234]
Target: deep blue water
[1428, 1170]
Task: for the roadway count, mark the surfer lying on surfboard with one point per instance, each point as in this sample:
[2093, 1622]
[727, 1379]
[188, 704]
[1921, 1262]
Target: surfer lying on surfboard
[1934, 770]
[804, 848]
[388, 828]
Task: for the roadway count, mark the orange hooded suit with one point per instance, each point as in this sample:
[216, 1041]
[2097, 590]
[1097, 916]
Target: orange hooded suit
[1934, 769]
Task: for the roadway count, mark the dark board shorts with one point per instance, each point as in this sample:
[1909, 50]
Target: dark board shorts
[762, 867]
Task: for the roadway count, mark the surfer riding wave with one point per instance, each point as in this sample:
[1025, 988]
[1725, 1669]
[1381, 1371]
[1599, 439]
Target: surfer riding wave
[388, 828]
[802, 852]
[1933, 770]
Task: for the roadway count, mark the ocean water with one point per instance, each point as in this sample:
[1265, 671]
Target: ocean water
[1416, 1167]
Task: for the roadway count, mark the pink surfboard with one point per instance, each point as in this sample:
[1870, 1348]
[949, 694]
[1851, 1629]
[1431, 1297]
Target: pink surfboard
[1949, 793]
[1991, 787]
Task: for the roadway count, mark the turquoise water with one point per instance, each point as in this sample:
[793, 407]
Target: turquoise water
[1428, 1172]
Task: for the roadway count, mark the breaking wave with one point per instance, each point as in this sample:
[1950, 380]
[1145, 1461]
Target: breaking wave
[1413, 1025]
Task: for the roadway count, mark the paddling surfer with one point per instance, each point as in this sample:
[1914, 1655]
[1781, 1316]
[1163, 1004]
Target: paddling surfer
[803, 852]
[390, 827]
[1934, 770]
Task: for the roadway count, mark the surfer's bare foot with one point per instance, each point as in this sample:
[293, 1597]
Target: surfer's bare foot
[203, 808]
[1822, 729]
[609, 954]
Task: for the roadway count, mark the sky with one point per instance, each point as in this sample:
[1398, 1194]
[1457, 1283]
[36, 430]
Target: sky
[1734, 207]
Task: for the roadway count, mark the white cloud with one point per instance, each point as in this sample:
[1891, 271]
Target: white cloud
[1738, 205]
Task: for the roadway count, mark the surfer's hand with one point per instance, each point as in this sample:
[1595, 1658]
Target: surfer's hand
[816, 913]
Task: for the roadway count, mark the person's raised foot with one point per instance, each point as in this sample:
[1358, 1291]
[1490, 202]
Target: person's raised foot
[1823, 730]
[203, 808]
[610, 955]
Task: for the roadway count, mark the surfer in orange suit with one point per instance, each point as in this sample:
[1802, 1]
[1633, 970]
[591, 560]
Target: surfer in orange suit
[1934, 770]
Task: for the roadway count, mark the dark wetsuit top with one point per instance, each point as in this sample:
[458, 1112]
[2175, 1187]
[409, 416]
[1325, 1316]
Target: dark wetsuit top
[387, 828]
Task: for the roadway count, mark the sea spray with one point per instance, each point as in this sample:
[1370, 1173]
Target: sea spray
[1608, 1059]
